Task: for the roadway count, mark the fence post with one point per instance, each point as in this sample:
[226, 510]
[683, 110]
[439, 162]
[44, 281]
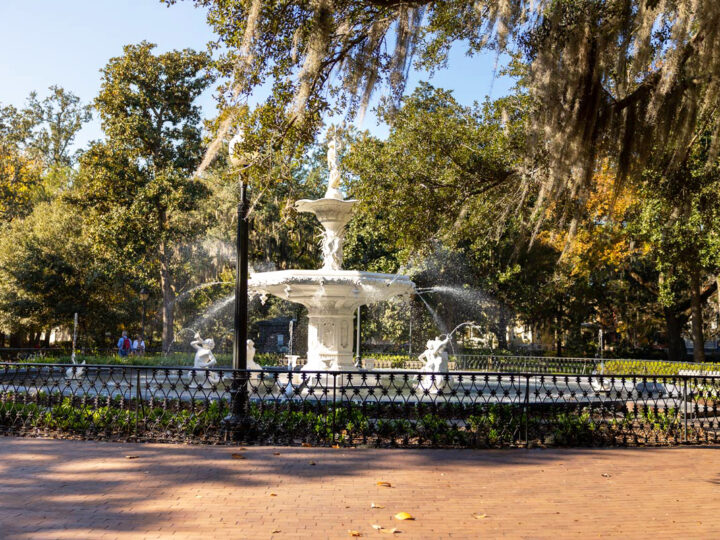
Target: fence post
[137, 400]
[526, 409]
[685, 409]
[333, 409]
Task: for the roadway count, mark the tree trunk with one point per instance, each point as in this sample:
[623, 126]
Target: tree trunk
[502, 330]
[558, 337]
[697, 318]
[676, 344]
[16, 339]
[168, 294]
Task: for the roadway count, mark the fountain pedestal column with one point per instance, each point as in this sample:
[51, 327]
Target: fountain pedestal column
[330, 344]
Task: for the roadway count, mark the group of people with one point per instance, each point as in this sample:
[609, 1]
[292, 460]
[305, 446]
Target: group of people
[126, 346]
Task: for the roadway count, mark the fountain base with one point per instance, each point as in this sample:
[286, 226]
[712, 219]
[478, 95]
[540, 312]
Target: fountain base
[331, 298]
[330, 343]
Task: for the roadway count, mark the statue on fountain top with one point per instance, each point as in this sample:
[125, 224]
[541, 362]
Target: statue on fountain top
[333, 211]
[333, 189]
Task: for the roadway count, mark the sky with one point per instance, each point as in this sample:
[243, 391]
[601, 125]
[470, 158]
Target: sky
[67, 42]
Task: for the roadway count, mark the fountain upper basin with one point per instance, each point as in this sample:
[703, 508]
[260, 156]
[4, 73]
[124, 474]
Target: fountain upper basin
[329, 291]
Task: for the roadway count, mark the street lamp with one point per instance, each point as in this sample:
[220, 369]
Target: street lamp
[144, 295]
[241, 283]
[238, 391]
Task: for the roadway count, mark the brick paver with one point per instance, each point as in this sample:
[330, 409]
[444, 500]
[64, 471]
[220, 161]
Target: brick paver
[81, 489]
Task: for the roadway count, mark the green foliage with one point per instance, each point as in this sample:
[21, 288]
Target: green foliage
[136, 187]
[49, 270]
[35, 156]
[493, 425]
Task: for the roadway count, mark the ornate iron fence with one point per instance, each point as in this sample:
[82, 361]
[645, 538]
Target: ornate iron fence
[551, 364]
[385, 408]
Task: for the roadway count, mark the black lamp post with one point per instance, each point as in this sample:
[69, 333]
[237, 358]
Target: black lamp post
[144, 295]
[238, 391]
[241, 283]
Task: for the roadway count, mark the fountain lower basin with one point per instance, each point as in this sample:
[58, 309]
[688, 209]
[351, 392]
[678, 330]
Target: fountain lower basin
[331, 298]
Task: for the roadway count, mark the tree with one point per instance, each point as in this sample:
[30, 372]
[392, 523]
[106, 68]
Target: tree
[55, 121]
[34, 149]
[609, 78]
[35, 163]
[20, 181]
[447, 170]
[49, 271]
[137, 184]
[680, 220]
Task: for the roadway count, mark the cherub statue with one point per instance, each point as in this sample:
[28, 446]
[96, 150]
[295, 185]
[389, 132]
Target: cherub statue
[204, 358]
[75, 372]
[251, 364]
[435, 357]
[250, 348]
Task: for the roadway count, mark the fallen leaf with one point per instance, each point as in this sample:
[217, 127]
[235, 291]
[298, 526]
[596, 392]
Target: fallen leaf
[402, 516]
[384, 484]
[313, 463]
[373, 505]
[306, 445]
[276, 453]
[479, 516]
[275, 531]
[390, 531]
[238, 456]
[377, 527]
[354, 533]
[273, 494]
[132, 457]
[606, 475]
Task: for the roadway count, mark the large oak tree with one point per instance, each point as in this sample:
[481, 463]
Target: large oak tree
[136, 185]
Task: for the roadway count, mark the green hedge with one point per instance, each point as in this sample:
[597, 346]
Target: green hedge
[654, 367]
[177, 359]
[453, 425]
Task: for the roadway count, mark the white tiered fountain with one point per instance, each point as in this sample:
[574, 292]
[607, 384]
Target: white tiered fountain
[330, 294]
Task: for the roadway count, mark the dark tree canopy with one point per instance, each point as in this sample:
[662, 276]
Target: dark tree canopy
[609, 78]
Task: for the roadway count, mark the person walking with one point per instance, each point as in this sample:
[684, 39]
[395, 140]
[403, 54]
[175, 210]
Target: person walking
[138, 346]
[124, 346]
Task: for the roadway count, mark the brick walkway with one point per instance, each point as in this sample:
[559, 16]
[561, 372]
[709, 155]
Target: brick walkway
[76, 489]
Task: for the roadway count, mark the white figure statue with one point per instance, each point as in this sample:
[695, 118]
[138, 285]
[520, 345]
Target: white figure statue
[331, 251]
[250, 348]
[435, 357]
[251, 364]
[333, 189]
[77, 372]
[204, 359]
